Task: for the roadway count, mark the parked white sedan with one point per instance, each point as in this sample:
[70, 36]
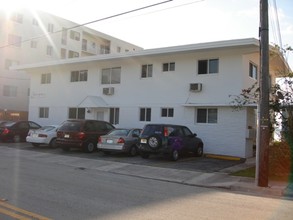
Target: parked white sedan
[45, 135]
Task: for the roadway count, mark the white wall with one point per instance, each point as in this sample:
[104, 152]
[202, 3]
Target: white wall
[163, 89]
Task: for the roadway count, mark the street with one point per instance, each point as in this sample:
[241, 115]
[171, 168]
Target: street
[41, 184]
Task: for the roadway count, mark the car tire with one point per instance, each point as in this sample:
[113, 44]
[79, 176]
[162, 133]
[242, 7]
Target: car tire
[154, 142]
[53, 143]
[35, 144]
[145, 155]
[133, 151]
[89, 147]
[174, 155]
[199, 151]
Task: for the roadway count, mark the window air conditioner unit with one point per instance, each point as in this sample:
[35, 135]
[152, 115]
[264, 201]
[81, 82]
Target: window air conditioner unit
[108, 91]
[195, 87]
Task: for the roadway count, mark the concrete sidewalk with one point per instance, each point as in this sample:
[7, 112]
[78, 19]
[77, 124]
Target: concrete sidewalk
[221, 179]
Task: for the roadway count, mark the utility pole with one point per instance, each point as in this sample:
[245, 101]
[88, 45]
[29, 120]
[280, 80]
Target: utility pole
[264, 116]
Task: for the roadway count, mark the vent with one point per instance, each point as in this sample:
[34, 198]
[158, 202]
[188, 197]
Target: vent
[108, 91]
[195, 87]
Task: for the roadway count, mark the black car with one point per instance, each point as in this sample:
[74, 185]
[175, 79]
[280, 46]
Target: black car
[82, 134]
[168, 139]
[16, 130]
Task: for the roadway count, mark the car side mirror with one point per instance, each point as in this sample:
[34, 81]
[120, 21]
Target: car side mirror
[195, 135]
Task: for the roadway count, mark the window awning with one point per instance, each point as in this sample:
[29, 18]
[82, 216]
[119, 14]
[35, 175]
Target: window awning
[93, 102]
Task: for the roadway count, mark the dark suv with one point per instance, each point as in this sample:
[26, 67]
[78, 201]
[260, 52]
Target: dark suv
[81, 134]
[168, 139]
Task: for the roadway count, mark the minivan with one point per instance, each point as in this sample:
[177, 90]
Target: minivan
[83, 134]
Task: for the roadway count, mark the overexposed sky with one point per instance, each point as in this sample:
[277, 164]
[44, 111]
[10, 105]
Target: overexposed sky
[172, 23]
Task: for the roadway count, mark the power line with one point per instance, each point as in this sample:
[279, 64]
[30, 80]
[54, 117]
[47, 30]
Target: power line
[87, 23]
[276, 24]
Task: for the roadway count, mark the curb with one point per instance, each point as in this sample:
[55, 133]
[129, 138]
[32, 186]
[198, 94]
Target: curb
[224, 157]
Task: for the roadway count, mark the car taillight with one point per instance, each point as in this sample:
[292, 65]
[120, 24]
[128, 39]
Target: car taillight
[165, 132]
[6, 131]
[121, 141]
[43, 135]
[100, 140]
[81, 135]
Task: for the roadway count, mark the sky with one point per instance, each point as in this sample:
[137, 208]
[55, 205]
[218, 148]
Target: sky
[173, 22]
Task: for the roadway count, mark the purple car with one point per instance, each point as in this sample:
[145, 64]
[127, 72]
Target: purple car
[168, 139]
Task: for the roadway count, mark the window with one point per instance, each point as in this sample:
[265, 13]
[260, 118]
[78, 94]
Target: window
[14, 40]
[49, 50]
[63, 53]
[118, 50]
[76, 113]
[147, 71]
[207, 115]
[35, 22]
[72, 54]
[50, 28]
[44, 112]
[77, 76]
[16, 17]
[104, 49]
[145, 114]
[111, 75]
[252, 70]
[167, 112]
[9, 63]
[168, 67]
[9, 91]
[208, 66]
[46, 78]
[74, 35]
[114, 116]
[33, 44]
[64, 36]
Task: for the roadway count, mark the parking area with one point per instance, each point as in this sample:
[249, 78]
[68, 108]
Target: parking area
[186, 162]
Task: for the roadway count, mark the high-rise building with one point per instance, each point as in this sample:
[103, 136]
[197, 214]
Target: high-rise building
[28, 37]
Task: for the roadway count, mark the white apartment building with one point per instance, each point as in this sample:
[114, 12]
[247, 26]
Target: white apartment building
[30, 37]
[188, 85]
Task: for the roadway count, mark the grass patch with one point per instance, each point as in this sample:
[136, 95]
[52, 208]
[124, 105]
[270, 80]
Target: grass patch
[249, 172]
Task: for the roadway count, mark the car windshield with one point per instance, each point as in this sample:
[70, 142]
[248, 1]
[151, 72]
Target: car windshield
[119, 132]
[152, 129]
[70, 126]
[47, 128]
[8, 123]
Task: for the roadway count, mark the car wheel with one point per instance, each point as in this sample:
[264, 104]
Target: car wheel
[89, 147]
[133, 151]
[53, 143]
[35, 144]
[154, 142]
[145, 155]
[175, 155]
[199, 151]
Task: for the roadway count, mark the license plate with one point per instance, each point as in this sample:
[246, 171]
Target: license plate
[66, 135]
[110, 141]
[35, 135]
[143, 141]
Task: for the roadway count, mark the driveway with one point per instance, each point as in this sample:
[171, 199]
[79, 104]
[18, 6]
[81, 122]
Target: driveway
[186, 162]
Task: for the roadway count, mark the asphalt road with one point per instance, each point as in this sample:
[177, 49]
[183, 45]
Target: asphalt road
[186, 162]
[32, 186]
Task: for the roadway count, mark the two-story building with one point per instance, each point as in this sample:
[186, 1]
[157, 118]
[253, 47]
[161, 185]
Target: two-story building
[189, 84]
